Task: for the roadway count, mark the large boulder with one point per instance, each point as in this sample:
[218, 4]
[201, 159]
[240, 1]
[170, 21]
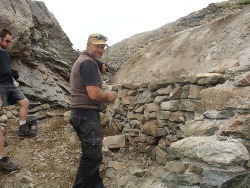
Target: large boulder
[40, 50]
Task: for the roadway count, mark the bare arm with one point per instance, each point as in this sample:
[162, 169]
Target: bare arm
[97, 94]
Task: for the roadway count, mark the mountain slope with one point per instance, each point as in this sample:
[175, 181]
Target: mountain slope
[130, 49]
[206, 48]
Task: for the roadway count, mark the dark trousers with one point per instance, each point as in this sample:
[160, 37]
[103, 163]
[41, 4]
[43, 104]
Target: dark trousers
[86, 123]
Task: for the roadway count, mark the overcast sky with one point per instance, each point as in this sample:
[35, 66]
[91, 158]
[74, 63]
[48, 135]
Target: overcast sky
[117, 19]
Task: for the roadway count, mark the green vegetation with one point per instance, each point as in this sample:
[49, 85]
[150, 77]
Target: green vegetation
[225, 6]
[243, 2]
[240, 2]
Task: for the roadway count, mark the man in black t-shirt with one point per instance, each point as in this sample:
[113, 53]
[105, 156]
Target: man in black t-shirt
[9, 93]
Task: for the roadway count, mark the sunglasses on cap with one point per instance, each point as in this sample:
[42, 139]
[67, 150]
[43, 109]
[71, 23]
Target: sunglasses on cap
[7, 41]
[99, 37]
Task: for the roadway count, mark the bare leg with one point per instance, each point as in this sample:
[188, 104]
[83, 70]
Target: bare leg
[23, 111]
[24, 129]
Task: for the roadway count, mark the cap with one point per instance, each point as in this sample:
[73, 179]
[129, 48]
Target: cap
[97, 39]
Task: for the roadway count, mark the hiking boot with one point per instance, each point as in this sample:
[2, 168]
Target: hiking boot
[7, 166]
[24, 131]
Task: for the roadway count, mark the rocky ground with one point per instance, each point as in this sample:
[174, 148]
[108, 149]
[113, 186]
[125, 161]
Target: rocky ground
[51, 160]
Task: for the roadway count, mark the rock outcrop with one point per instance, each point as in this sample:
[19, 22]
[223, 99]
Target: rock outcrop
[40, 50]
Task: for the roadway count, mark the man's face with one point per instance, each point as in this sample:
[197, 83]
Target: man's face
[96, 50]
[5, 41]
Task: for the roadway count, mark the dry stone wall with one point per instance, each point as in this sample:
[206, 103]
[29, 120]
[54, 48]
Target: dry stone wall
[200, 122]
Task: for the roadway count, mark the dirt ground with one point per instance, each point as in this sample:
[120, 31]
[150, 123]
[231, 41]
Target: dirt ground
[51, 160]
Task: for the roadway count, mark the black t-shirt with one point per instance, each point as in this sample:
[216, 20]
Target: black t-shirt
[84, 73]
[89, 72]
[5, 68]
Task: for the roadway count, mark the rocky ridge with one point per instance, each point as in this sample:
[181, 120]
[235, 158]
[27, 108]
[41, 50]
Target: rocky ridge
[121, 52]
[212, 47]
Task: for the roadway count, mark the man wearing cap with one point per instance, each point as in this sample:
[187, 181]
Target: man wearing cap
[86, 98]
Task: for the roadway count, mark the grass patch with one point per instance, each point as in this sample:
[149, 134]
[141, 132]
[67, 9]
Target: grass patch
[225, 6]
[243, 2]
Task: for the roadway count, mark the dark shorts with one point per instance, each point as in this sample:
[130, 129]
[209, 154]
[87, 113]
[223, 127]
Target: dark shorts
[10, 94]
